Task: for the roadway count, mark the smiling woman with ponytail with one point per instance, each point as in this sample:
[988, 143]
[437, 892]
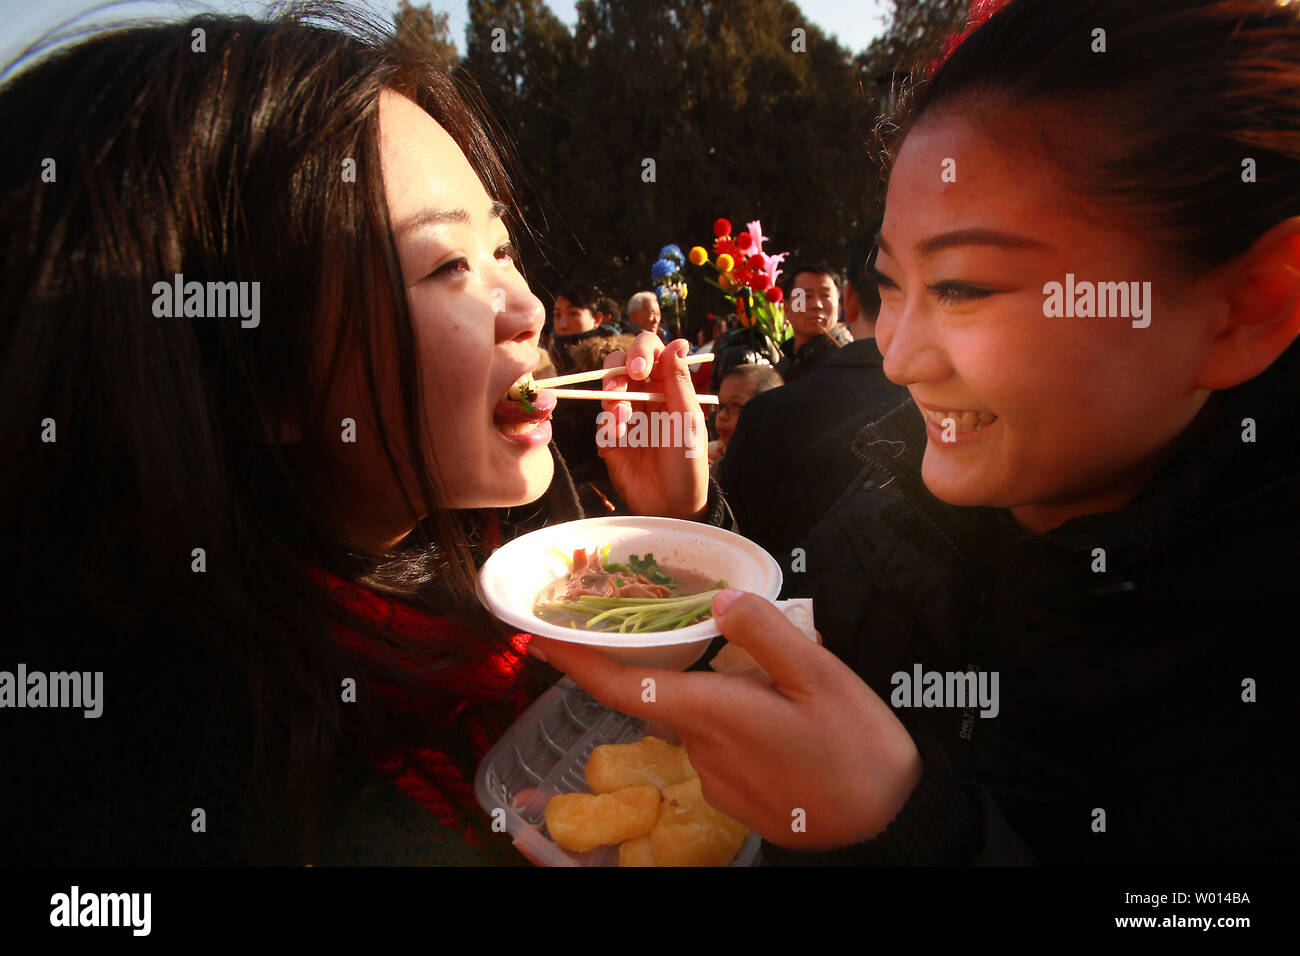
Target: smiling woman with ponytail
[1096, 516]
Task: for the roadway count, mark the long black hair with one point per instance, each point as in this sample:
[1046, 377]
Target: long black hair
[216, 148]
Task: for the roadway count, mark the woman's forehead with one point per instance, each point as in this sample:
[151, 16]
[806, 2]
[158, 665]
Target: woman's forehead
[423, 166]
[957, 169]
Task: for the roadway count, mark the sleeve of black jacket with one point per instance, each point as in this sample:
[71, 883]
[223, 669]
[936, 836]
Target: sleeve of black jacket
[945, 822]
[717, 510]
[732, 475]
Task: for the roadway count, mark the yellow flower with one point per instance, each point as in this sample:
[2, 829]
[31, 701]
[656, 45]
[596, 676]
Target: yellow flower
[699, 256]
[726, 263]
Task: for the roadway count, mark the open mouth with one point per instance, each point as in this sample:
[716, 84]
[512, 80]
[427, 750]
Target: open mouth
[523, 389]
[519, 428]
[523, 409]
[965, 419]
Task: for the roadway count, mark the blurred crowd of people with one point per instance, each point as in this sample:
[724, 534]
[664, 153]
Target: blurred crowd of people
[779, 436]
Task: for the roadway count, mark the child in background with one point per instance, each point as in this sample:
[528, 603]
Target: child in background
[738, 386]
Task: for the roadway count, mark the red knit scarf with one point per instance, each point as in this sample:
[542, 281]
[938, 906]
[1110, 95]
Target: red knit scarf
[482, 696]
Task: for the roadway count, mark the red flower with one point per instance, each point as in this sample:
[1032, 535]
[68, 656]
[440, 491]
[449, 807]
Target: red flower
[755, 261]
[724, 244]
[722, 228]
[762, 283]
[744, 241]
[775, 295]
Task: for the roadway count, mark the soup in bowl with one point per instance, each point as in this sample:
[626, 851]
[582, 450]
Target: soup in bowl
[641, 590]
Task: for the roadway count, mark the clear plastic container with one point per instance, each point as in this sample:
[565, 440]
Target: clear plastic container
[545, 752]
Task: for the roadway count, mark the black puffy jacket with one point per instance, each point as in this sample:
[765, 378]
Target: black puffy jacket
[1125, 732]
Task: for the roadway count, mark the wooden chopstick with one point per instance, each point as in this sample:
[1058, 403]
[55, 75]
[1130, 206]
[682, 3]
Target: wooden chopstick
[609, 505]
[834, 341]
[615, 396]
[599, 373]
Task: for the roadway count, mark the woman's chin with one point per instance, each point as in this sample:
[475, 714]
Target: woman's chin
[535, 472]
[951, 487]
[539, 471]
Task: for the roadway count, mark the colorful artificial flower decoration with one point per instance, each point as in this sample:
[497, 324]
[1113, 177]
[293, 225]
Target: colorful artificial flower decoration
[670, 284]
[747, 276]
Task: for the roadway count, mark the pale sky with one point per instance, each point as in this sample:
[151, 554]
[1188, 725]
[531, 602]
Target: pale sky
[854, 22]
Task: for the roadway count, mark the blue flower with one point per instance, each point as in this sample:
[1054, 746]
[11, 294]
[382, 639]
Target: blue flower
[666, 295]
[663, 269]
[673, 253]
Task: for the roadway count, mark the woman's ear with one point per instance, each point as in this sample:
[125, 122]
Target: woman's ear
[1263, 316]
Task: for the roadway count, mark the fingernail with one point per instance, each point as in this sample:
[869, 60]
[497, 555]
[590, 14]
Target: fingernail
[636, 367]
[537, 652]
[722, 599]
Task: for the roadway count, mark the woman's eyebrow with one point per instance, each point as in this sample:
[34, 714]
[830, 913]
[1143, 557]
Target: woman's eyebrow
[968, 237]
[438, 217]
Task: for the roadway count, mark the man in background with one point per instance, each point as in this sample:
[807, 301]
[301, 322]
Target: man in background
[643, 316]
[790, 458]
[813, 309]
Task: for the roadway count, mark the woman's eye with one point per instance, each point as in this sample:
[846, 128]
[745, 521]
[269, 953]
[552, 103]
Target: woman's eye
[955, 293]
[450, 269]
[504, 251]
[949, 293]
[882, 281]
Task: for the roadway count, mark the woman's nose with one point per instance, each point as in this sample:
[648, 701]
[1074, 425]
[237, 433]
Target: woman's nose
[519, 313]
[907, 343]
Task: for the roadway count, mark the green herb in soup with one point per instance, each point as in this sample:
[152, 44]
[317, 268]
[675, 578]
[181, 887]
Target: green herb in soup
[630, 597]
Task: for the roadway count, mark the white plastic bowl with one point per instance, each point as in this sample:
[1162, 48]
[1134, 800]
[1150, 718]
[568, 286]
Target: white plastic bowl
[512, 577]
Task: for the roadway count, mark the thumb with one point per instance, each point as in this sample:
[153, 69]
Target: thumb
[780, 648]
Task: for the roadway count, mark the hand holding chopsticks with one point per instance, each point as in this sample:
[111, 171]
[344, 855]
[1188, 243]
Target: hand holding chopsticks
[623, 396]
[550, 384]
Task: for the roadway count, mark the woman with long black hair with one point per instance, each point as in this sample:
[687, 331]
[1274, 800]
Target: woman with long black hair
[260, 317]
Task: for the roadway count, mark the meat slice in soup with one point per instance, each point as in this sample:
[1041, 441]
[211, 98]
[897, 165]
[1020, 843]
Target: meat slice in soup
[640, 578]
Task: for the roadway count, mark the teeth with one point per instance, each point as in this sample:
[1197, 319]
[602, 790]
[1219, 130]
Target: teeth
[965, 420]
[518, 428]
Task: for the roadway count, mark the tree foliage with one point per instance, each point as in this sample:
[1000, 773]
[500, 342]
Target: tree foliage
[742, 117]
[434, 27]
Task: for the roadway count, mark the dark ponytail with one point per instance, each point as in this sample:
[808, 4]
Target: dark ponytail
[1156, 131]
